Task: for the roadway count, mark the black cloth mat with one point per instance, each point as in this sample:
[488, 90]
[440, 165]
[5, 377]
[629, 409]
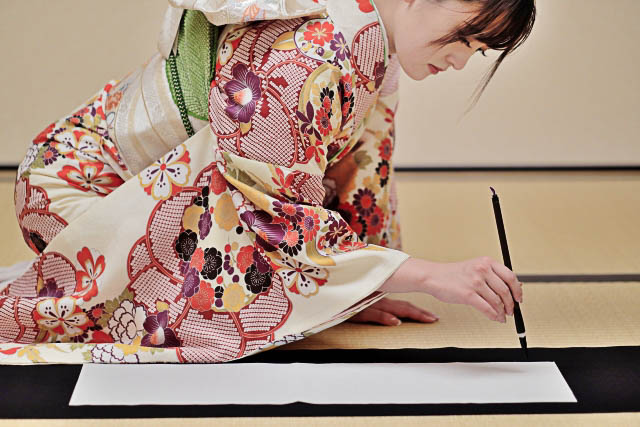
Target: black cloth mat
[603, 379]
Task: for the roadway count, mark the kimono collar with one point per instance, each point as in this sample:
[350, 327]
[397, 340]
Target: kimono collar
[384, 35]
[223, 12]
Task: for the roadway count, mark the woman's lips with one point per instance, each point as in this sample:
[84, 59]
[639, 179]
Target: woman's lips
[434, 69]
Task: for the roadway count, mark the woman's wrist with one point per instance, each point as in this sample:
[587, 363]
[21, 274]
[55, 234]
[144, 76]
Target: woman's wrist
[411, 276]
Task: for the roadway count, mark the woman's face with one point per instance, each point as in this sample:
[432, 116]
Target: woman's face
[416, 23]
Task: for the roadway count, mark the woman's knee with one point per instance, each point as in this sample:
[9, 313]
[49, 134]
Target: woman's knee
[63, 173]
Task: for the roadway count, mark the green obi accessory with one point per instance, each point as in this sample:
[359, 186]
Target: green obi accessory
[191, 70]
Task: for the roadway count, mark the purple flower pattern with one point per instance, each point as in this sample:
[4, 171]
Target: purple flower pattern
[51, 290]
[204, 224]
[307, 121]
[337, 229]
[339, 45]
[191, 284]
[243, 93]
[158, 333]
[262, 221]
[50, 155]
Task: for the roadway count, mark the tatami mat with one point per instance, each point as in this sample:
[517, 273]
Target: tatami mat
[555, 315]
[560, 420]
[556, 222]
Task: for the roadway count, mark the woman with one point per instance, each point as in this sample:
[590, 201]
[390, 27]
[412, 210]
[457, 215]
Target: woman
[236, 193]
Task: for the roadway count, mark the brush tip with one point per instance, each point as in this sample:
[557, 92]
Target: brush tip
[493, 191]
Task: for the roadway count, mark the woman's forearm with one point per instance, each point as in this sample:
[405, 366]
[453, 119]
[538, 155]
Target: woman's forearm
[410, 277]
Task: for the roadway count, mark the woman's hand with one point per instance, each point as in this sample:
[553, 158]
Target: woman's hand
[387, 312]
[482, 283]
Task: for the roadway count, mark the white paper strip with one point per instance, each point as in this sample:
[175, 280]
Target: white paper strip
[331, 383]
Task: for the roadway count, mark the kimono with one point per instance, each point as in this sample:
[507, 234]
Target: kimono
[234, 194]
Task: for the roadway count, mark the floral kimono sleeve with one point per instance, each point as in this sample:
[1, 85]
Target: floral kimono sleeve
[361, 184]
[278, 116]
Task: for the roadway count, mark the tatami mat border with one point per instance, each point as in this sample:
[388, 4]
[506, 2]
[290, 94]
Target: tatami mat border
[603, 379]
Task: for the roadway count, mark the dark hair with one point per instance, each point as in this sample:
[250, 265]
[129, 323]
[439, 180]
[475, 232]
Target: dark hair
[501, 25]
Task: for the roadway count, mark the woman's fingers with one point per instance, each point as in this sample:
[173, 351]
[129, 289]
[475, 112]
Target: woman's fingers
[405, 309]
[510, 278]
[387, 312]
[502, 290]
[488, 303]
[374, 315]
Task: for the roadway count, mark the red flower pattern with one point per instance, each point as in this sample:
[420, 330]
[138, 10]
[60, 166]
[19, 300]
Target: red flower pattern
[386, 149]
[89, 177]
[319, 33]
[283, 182]
[203, 300]
[375, 221]
[323, 122]
[245, 258]
[87, 278]
[218, 182]
[310, 224]
[365, 6]
[197, 259]
[315, 151]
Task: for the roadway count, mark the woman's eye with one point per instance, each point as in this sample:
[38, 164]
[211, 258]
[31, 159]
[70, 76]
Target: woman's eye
[466, 42]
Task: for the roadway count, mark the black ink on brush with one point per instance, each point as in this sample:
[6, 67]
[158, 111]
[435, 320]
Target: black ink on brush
[507, 262]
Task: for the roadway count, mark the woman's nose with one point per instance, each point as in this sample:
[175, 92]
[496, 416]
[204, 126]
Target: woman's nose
[459, 61]
[459, 58]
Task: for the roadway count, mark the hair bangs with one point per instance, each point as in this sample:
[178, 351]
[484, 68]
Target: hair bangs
[501, 25]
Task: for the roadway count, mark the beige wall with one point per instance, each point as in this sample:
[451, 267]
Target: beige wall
[58, 53]
[570, 96]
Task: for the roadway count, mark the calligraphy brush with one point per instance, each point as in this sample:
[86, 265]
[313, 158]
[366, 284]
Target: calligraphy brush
[522, 336]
